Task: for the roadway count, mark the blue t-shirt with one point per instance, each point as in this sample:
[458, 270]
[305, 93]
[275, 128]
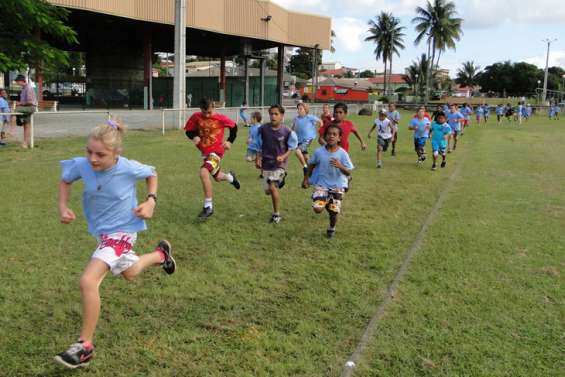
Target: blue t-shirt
[421, 128]
[254, 135]
[454, 120]
[305, 127]
[4, 108]
[439, 131]
[109, 196]
[479, 111]
[325, 175]
[466, 111]
[486, 110]
[499, 110]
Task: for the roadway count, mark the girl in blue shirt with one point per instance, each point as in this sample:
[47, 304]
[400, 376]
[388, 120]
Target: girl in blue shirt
[114, 217]
[306, 127]
[328, 170]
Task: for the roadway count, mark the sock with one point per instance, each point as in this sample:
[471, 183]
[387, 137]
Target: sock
[276, 214]
[305, 169]
[208, 202]
[162, 255]
[229, 178]
[331, 228]
[87, 344]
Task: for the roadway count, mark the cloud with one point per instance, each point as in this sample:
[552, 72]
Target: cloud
[349, 33]
[478, 14]
[556, 58]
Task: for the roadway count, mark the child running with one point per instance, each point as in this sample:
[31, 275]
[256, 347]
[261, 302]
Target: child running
[252, 146]
[385, 132]
[206, 130]
[4, 119]
[328, 170]
[454, 118]
[276, 142]
[486, 113]
[114, 217]
[243, 114]
[499, 113]
[347, 128]
[440, 138]
[394, 116]
[479, 112]
[421, 127]
[306, 127]
[466, 111]
[326, 116]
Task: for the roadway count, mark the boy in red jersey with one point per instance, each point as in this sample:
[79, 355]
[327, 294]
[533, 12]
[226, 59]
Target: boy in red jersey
[206, 130]
[347, 127]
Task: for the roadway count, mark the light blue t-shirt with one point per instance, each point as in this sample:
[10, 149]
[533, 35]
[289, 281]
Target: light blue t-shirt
[109, 197]
[486, 110]
[394, 116]
[421, 128]
[467, 111]
[324, 174]
[500, 110]
[4, 108]
[305, 127]
[439, 131]
[254, 136]
[479, 111]
[454, 120]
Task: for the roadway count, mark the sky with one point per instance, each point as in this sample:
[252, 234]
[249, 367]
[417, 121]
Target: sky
[493, 31]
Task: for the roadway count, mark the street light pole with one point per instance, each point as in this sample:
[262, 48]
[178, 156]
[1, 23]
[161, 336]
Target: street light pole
[179, 80]
[538, 92]
[546, 68]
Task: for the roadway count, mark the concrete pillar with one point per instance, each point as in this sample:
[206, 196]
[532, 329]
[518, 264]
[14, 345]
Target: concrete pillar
[223, 78]
[280, 77]
[262, 87]
[246, 73]
[179, 89]
[147, 69]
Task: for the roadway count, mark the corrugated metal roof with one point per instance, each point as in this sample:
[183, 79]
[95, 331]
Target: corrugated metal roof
[222, 16]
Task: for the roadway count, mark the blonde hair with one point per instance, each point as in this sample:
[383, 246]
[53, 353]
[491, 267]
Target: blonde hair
[110, 134]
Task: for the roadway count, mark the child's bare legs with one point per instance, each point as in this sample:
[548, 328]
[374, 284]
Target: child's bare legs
[303, 158]
[146, 260]
[379, 155]
[206, 183]
[333, 220]
[275, 197]
[394, 138]
[89, 290]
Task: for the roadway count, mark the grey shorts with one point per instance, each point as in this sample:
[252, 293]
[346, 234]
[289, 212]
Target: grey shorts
[304, 146]
[273, 176]
[384, 143]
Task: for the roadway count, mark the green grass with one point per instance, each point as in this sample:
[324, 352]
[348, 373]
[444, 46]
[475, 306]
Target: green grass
[483, 297]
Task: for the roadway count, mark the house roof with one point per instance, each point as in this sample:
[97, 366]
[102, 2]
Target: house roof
[358, 84]
[395, 78]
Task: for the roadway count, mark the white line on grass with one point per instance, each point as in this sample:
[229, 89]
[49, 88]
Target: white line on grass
[393, 286]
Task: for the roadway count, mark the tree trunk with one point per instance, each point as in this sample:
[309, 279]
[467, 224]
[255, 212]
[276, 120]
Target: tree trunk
[428, 76]
[384, 78]
[390, 74]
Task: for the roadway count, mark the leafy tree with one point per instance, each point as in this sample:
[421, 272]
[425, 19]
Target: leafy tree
[385, 31]
[25, 26]
[468, 74]
[516, 79]
[438, 25]
[300, 63]
[367, 74]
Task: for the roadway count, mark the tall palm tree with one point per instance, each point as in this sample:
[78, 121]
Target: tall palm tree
[468, 74]
[438, 25]
[385, 31]
[416, 73]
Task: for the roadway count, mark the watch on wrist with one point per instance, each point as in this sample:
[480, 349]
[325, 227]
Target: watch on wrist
[152, 196]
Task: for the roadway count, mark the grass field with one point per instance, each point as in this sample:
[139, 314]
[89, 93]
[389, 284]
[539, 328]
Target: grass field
[483, 297]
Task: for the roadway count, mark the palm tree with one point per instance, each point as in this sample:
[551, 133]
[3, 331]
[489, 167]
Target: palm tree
[468, 74]
[385, 31]
[416, 73]
[438, 25]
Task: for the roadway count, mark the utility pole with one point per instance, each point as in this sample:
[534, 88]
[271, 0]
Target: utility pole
[544, 96]
[179, 81]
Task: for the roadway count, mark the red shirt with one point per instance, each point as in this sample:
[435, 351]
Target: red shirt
[326, 119]
[211, 132]
[426, 115]
[347, 127]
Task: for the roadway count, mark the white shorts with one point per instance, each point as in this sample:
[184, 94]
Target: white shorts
[272, 176]
[116, 251]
